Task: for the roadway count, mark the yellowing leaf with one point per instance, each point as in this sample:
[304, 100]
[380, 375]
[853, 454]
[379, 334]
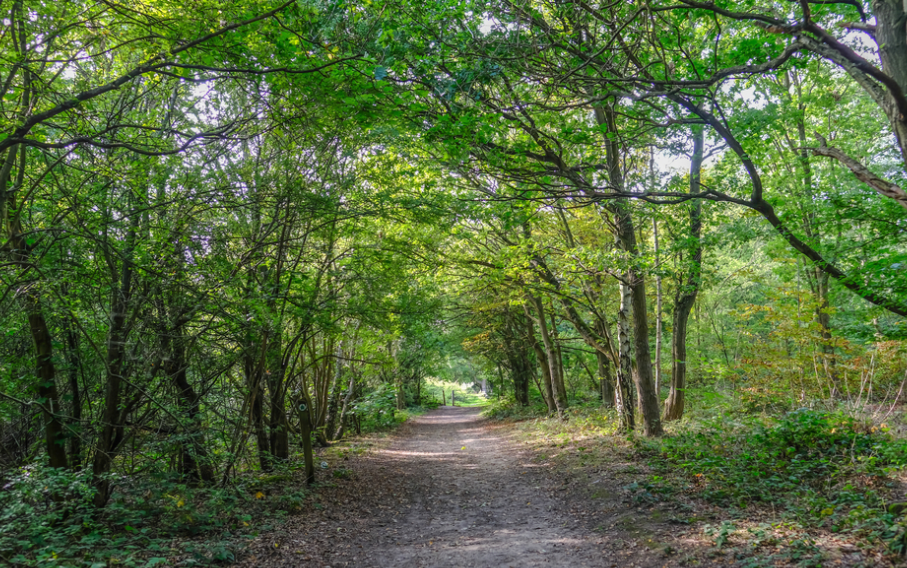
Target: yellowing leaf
[259, 495]
[180, 503]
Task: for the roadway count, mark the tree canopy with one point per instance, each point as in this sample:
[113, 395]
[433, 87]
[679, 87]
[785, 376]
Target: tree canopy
[215, 213]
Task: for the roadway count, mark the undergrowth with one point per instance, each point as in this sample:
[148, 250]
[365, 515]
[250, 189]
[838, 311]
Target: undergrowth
[157, 519]
[47, 518]
[816, 469]
[507, 408]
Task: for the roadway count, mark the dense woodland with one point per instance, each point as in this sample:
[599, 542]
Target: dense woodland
[214, 213]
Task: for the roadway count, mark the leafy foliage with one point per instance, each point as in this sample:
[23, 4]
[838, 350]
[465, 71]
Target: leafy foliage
[821, 469]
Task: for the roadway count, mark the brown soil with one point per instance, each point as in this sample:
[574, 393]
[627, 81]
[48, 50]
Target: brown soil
[450, 489]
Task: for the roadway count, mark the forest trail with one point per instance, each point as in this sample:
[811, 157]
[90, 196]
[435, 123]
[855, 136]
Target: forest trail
[450, 490]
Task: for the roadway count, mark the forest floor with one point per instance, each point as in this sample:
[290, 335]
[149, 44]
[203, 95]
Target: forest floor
[451, 489]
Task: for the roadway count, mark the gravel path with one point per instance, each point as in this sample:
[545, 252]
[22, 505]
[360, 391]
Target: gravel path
[450, 490]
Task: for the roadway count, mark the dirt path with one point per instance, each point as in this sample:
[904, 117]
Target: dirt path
[451, 490]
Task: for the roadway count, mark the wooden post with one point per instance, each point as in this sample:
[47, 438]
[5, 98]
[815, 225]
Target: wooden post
[306, 427]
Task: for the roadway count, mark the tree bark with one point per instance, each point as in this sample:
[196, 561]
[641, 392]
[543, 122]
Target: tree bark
[606, 380]
[350, 390]
[891, 36]
[818, 280]
[623, 396]
[51, 409]
[193, 454]
[254, 371]
[73, 363]
[687, 289]
[560, 404]
[520, 370]
[114, 416]
[658, 312]
[626, 239]
[547, 391]
[55, 440]
[330, 423]
[278, 429]
[560, 385]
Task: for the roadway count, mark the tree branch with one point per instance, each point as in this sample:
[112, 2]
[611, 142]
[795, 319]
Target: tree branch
[883, 187]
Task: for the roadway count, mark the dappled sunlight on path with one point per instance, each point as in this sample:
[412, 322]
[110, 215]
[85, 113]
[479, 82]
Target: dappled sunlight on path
[453, 490]
[474, 505]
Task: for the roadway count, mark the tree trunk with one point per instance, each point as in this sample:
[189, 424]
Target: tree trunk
[73, 363]
[687, 289]
[55, 441]
[114, 417]
[254, 371]
[645, 386]
[658, 312]
[561, 384]
[193, 454]
[501, 379]
[626, 239]
[401, 394]
[51, 410]
[560, 404]
[522, 378]
[547, 391]
[891, 36]
[350, 390]
[418, 381]
[258, 424]
[279, 435]
[818, 279]
[605, 379]
[330, 423]
[623, 396]
[824, 319]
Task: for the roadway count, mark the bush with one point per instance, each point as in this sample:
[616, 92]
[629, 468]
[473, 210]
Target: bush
[378, 408]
